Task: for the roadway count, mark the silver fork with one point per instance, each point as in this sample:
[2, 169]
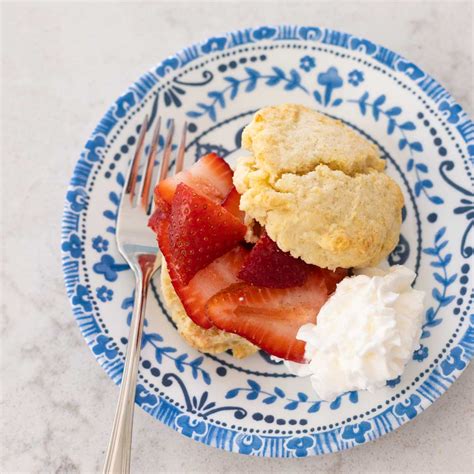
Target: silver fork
[137, 244]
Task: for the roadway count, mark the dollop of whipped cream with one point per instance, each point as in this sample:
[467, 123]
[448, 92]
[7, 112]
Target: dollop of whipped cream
[365, 333]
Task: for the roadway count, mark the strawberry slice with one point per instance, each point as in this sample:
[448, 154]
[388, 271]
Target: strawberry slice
[210, 176]
[199, 232]
[270, 267]
[220, 274]
[334, 277]
[268, 317]
[232, 202]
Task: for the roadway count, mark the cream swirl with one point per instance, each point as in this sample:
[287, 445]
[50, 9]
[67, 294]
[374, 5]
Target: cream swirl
[365, 333]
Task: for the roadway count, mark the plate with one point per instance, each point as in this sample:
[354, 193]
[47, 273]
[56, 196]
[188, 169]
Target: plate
[254, 406]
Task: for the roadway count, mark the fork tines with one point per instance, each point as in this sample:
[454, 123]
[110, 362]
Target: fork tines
[145, 195]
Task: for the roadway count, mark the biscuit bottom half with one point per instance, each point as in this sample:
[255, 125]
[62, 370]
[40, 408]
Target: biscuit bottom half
[211, 341]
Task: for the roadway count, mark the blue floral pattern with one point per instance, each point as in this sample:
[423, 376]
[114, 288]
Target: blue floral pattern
[280, 409]
[355, 77]
[104, 294]
[307, 63]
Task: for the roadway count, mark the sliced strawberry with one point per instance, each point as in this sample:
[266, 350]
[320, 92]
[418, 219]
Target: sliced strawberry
[220, 274]
[270, 318]
[232, 202]
[199, 232]
[270, 267]
[161, 212]
[334, 277]
[210, 176]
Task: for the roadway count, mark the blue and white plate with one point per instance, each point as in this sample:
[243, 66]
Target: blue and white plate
[254, 406]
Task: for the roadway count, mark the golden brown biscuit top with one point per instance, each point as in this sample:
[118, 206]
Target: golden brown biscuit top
[295, 139]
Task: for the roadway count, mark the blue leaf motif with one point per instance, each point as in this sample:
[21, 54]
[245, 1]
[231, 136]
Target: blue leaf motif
[314, 407]
[232, 393]
[422, 167]
[292, 405]
[337, 102]
[402, 144]
[317, 96]
[218, 97]
[254, 385]
[302, 397]
[417, 146]
[436, 199]
[336, 403]
[269, 400]
[110, 215]
[440, 234]
[252, 395]
[410, 164]
[393, 111]
[391, 126]
[279, 392]
[407, 126]
[279, 72]
[379, 101]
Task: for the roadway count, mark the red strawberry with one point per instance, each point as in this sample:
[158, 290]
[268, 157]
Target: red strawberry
[210, 176]
[232, 202]
[270, 267]
[161, 212]
[220, 274]
[199, 232]
[270, 318]
[334, 277]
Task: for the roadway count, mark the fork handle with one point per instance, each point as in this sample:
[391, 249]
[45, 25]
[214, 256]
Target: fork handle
[120, 444]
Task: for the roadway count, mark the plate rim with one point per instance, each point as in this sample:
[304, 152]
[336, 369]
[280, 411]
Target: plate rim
[148, 80]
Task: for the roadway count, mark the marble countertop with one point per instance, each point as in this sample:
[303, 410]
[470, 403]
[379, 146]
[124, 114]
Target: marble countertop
[63, 64]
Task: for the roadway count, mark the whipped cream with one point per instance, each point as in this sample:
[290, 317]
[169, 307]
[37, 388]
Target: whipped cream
[365, 333]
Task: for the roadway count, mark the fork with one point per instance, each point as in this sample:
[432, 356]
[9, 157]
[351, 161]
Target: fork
[137, 244]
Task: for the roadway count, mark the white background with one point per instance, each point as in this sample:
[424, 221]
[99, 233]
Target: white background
[63, 64]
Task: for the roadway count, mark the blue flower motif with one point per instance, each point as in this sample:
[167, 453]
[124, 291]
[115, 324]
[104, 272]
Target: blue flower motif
[167, 65]
[124, 104]
[265, 32]
[190, 427]
[451, 111]
[330, 80]
[73, 246]
[249, 444]
[109, 268]
[453, 361]
[357, 432]
[300, 445]
[214, 44]
[104, 345]
[307, 63]
[355, 77]
[77, 198]
[81, 298]
[392, 383]
[92, 147]
[144, 397]
[100, 244]
[421, 353]
[408, 408]
[104, 294]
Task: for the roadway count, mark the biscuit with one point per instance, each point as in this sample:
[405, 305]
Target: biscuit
[291, 138]
[330, 209]
[212, 341]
